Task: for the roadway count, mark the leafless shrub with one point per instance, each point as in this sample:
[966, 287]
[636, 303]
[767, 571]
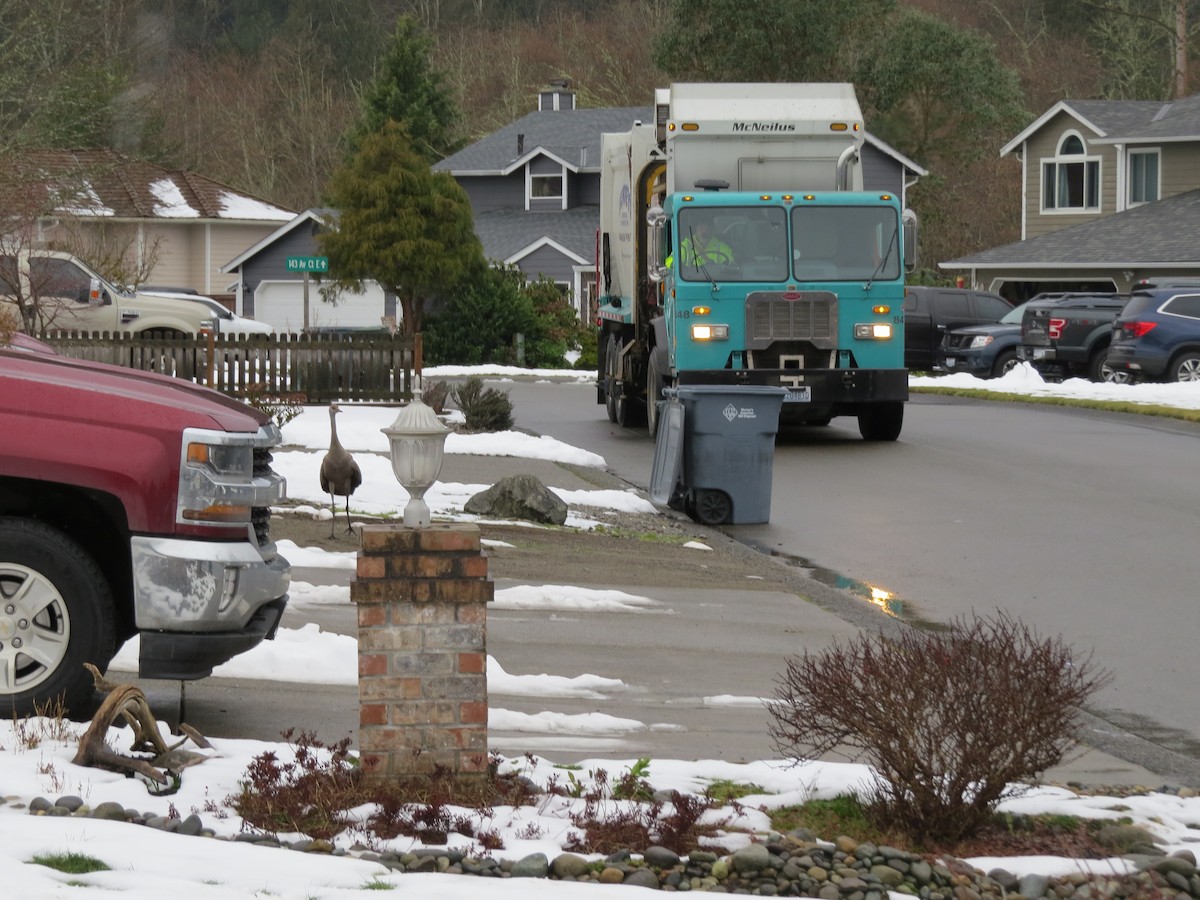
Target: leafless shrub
[948, 720]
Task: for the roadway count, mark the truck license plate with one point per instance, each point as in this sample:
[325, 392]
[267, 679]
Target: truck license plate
[798, 395]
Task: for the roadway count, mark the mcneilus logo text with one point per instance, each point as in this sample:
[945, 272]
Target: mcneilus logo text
[763, 126]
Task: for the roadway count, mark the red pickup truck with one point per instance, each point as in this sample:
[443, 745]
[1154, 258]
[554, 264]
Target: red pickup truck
[130, 503]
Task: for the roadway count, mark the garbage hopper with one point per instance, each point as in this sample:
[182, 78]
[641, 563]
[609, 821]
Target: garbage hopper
[714, 453]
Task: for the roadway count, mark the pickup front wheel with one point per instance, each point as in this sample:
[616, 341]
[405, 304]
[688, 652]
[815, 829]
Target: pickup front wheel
[56, 613]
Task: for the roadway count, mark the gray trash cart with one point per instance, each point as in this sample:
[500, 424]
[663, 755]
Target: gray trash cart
[714, 453]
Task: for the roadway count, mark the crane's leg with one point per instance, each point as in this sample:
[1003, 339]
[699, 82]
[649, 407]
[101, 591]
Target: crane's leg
[333, 510]
[349, 530]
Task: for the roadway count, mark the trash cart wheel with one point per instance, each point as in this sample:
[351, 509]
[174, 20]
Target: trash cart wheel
[711, 507]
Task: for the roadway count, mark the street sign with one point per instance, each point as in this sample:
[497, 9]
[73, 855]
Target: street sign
[308, 263]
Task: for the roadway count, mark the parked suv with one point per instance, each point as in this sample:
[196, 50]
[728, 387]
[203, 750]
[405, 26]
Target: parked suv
[929, 312]
[1157, 335]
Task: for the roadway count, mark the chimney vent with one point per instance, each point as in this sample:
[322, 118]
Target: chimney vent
[520, 145]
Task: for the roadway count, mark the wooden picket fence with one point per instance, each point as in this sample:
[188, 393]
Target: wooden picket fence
[306, 368]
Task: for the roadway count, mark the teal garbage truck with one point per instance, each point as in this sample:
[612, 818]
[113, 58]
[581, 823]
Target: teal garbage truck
[737, 247]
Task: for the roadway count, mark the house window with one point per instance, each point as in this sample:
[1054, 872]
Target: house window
[1071, 180]
[1143, 176]
[546, 187]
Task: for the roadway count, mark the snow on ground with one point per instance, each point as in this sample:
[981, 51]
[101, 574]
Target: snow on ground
[146, 864]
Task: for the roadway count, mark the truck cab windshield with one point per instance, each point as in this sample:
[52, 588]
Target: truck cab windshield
[845, 243]
[730, 243]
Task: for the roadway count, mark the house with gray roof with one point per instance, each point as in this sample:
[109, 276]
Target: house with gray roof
[534, 187]
[1111, 197]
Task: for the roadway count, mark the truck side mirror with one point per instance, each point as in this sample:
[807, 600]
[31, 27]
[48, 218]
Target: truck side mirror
[656, 270]
[911, 255]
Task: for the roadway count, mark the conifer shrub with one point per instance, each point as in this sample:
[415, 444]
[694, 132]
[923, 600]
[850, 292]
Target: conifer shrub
[483, 409]
[435, 394]
[948, 721]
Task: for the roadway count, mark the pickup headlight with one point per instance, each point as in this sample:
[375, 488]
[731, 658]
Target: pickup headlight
[980, 340]
[218, 484]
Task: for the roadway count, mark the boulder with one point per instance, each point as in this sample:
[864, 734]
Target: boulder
[519, 497]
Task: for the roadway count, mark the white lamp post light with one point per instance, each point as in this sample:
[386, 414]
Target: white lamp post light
[418, 439]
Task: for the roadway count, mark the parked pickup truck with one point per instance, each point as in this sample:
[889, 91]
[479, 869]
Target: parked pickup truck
[130, 503]
[1066, 335]
[929, 312]
[56, 291]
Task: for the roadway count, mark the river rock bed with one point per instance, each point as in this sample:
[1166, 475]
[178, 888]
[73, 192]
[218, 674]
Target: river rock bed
[793, 865]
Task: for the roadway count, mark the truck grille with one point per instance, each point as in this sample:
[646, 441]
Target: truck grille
[794, 316]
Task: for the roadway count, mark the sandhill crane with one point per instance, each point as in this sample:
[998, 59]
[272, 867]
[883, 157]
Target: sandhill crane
[340, 474]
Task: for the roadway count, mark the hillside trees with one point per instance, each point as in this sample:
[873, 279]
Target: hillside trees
[401, 225]
[65, 68]
[771, 40]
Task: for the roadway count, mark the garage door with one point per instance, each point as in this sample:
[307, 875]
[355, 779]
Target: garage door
[281, 305]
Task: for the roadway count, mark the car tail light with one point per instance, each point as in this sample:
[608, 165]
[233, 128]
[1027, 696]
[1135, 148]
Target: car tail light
[1137, 329]
[1054, 331]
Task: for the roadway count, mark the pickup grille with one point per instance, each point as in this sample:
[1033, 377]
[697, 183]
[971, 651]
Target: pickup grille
[796, 316]
[260, 516]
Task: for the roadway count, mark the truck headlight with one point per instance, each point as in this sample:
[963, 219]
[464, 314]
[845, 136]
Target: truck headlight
[708, 332]
[980, 340]
[873, 331]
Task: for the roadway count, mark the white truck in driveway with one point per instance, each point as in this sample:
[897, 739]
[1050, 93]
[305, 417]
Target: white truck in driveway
[54, 291]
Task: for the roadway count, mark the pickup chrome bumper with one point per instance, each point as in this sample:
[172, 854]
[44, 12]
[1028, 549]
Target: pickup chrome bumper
[208, 601]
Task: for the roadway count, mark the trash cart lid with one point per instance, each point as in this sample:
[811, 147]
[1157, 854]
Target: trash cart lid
[668, 451]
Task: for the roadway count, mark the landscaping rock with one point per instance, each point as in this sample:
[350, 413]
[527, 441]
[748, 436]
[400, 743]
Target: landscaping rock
[519, 497]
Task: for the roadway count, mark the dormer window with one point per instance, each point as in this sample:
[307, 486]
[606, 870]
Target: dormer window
[546, 186]
[1071, 179]
[1143, 176]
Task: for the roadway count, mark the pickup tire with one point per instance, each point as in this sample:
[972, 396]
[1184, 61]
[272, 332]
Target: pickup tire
[1005, 362]
[56, 613]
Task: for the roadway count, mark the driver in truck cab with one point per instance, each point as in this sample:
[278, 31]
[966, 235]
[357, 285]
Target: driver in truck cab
[701, 247]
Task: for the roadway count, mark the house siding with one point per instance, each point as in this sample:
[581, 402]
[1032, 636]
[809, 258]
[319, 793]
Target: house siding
[1179, 168]
[1044, 145]
[272, 266]
[551, 263]
[881, 173]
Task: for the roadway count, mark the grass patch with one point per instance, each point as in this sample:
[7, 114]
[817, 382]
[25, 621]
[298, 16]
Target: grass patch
[724, 790]
[70, 863]
[844, 814]
[378, 885]
[1118, 406]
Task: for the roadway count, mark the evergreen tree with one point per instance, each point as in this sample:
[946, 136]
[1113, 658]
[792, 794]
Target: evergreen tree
[406, 89]
[400, 225]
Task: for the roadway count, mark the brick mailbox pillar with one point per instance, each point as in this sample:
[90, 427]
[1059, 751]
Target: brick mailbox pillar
[422, 596]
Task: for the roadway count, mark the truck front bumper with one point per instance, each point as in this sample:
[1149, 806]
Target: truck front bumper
[199, 603]
[818, 387]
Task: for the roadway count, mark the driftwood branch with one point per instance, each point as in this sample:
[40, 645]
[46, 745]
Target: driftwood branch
[126, 701]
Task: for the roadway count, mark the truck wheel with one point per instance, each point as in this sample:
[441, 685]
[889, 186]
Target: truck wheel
[56, 613]
[881, 421]
[654, 387]
[711, 507]
[1185, 368]
[611, 371]
[1005, 363]
[1100, 371]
